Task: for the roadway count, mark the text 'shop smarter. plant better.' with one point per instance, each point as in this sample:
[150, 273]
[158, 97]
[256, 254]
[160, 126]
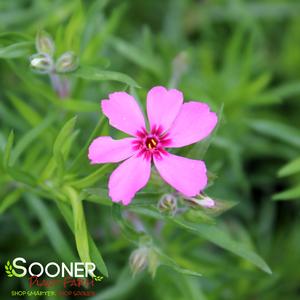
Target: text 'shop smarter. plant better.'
[172, 124]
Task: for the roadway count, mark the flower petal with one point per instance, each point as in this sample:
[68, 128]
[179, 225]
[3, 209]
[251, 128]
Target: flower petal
[123, 113]
[187, 176]
[194, 122]
[104, 149]
[128, 178]
[163, 106]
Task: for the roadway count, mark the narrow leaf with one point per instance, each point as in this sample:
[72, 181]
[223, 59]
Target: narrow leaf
[91, 73]
[25, 110]
[51, 228]
[168, 261]
[277, 130]
[219, 237]
[291, 194]
[22, 176]
[30, 136]
[94, 249]
[89, 180]
[138, 56]
[290, 169]
[16, 50]
[7, 150]
[10, 199]
[62, 136]
[80, 229]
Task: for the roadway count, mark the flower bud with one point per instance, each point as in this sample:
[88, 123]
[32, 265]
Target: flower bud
[153, 262]
[207, 202]
[168, 204]
[204, 201]
[41, 63]
[180, 63]
[179, 67]
[138, 260]
[44, 43]
[67, 62]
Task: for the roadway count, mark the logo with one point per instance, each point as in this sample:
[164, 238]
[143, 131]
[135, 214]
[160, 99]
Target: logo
[52, 269]
[68, 276]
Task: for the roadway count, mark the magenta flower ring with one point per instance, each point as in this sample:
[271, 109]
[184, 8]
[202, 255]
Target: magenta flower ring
[172, 124]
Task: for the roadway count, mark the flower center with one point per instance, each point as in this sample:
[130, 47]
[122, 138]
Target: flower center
[151, 143]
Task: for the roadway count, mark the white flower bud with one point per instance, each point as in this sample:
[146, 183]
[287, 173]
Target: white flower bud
[167, 204]
[41, 63]
[138, 260]
[67, 62]
[180, 63]
[207, 202]
[204, 201]
[44, 43]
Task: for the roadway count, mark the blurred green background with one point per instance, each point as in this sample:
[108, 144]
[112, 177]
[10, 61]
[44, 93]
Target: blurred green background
[243, 58]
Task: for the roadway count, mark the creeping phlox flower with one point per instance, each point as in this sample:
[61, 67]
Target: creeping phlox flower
[172, 124]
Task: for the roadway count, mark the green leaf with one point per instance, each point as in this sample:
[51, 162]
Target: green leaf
[94, 249]
[215, 235]
[57, 162]
[96, 256]
[91, 73]
[51, 228]
[16, 50]
[290, 169]
[124, 286]
[219, 237]
[60, 166]
[22, 176]
[138, 56]
[30, 136]
[131, 234]
[77, 105]
[286, 90]
[291, 194]
[82, 153]
[96, 195]
[277, 130]
[168, 261]
[8, 116]
[127, 230]
[25, 110]
[63, 135]
[89, 180]
[198, 216]
[220, 207]
[7, 150]
[10, 199]
[150, 211]
[15, 36]
[80, 229]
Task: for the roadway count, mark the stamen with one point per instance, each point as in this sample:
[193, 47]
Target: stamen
[154, 142]
[151, 143]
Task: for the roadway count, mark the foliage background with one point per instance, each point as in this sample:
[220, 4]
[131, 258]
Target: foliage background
[242, 57]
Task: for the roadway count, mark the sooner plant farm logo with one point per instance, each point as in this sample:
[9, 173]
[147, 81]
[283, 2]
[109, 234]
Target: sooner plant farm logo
[68, 276]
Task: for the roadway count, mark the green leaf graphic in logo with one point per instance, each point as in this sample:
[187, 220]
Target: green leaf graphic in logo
[9, 269]
[10, 272]
[98, 278]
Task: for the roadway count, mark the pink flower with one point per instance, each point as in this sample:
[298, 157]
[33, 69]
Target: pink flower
[172, 125]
